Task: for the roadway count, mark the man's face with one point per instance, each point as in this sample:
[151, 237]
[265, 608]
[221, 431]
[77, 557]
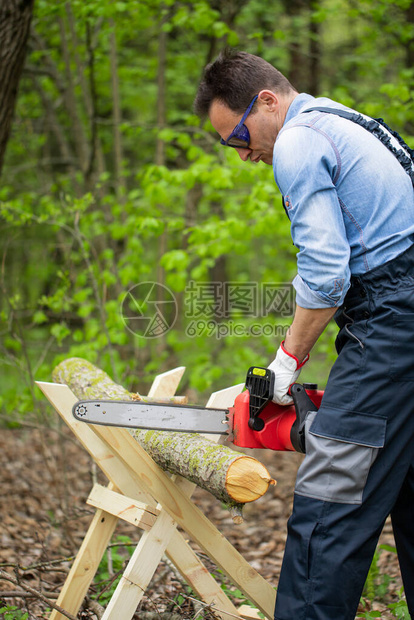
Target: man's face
[261, 124]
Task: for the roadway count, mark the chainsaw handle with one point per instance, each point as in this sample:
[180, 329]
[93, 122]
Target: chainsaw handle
[260, 383]
[301, 399]
[303, 405]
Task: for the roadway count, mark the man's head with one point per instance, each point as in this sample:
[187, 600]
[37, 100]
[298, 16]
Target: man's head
[229, 86]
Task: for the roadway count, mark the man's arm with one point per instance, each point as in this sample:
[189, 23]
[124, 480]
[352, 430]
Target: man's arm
[305, 330]
[292, 354]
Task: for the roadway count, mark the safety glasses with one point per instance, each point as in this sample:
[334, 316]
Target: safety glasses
[240, 136]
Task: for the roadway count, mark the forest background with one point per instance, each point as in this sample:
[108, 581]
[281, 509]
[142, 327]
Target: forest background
[111, 185]
[131, 238]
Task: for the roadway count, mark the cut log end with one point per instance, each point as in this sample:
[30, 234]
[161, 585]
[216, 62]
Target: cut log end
[247, 479]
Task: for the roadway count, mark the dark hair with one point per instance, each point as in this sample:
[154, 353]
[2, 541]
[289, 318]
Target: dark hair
[235, 78]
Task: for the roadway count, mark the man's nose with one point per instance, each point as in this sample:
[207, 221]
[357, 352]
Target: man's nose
[244, 154]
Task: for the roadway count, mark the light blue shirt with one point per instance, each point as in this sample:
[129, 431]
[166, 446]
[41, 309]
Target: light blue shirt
[350, 202]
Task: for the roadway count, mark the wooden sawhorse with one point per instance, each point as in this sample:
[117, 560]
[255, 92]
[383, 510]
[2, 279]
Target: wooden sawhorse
[141, 493]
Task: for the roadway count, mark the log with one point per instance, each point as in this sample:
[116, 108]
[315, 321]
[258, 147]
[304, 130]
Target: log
[174, 400]
[231, 476]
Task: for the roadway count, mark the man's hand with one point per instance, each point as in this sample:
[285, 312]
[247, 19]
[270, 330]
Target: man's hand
[287, 368]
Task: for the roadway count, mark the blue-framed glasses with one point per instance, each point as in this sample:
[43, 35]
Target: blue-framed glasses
[240, 136]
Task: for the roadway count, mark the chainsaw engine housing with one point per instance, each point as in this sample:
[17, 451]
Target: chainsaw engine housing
[278, 421]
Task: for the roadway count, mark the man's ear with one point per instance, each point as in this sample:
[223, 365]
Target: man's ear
[269, 99]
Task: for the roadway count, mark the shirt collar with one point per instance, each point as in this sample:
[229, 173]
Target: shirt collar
[297, 105]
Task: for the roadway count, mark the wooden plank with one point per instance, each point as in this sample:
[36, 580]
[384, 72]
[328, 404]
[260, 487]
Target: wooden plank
[123, 507]
[140, 569]
[199, 579]
[85, 565]
[249, 613]
[223, 399]
[190, 518]
[166, 384]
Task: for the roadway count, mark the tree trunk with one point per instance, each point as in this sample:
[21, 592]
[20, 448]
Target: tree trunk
[314, 51]
[15, 18]
[120, 183]
[409, 46]
[232, 477]
[297, 59]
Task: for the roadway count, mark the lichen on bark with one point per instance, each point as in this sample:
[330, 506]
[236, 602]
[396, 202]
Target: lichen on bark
[192, 456]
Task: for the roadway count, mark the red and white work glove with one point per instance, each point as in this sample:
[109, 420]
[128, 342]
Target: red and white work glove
[287, 369]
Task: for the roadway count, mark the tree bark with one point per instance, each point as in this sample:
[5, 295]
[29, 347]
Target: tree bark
[231, 476]
[15, 18]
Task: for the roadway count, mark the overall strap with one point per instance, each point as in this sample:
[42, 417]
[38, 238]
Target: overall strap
[374, 126]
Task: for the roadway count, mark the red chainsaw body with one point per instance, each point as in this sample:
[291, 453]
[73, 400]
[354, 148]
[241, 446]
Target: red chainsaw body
[278, 421]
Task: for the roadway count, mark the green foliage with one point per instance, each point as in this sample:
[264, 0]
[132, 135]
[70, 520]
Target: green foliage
[376, 584]
[232, 592]
[96, 201]
[400, 608]
[376, 588]
[111, 568]
[10, 612]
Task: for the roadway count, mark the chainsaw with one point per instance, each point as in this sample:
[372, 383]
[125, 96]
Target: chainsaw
[254, 421]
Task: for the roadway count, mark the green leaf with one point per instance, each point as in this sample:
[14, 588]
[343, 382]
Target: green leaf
[39, 317]
[60, 331]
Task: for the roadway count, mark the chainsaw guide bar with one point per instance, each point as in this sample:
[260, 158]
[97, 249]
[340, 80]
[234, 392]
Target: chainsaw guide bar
[152, 416]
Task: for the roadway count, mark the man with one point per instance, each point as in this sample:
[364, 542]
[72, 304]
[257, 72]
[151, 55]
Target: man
[349, 195]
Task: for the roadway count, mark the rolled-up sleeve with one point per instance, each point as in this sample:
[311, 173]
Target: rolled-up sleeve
[306, 165]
